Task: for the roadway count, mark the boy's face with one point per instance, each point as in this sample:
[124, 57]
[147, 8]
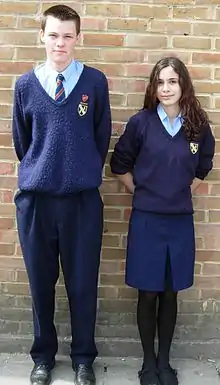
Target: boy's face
[60, 39]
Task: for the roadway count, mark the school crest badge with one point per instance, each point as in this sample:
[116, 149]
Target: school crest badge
[194, 147]
[83, 105]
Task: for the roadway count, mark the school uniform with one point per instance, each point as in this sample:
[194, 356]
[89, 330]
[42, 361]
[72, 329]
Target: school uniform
[62, 148]
[164, 165]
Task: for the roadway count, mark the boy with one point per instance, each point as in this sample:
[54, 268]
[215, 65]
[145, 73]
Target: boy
[61, 132]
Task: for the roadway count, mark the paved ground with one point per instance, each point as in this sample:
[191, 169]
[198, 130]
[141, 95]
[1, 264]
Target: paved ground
[15, 369]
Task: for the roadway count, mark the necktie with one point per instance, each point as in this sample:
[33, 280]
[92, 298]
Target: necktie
[60, 92]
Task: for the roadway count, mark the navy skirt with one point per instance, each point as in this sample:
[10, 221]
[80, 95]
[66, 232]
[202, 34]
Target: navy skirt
[152, 240]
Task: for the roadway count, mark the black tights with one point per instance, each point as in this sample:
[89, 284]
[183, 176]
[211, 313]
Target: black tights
[165, 319]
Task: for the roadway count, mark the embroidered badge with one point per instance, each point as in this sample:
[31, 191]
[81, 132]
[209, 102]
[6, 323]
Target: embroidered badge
[194, 148]
[83, 105]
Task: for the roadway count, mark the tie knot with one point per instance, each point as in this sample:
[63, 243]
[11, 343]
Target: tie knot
[60, 78]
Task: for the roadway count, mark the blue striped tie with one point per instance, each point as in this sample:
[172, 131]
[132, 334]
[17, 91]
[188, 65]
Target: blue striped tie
[60, 92]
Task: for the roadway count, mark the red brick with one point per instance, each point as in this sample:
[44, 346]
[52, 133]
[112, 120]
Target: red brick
[206, 58]
[192, 43]
[146, 41]
[138, 70]
[6, 223]
[7, 168]
[170, 27]
[148, 11]
[6, 53]
[103, 10]
[110, 69]
[18, 38]
[128, 86]
[7, 249]
[6, 96]
[28, 22]
[88, 54]
[7, 21]
[124, 56]
[6, 196]
[15, 67]
[154, 56]
[6, 81]
[193, 13]
[136, 25]
[101, 40]
[93, 24]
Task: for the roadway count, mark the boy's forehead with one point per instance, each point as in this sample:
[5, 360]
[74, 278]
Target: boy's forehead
[53, 23]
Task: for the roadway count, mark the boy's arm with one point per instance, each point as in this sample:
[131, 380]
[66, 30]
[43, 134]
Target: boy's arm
[20, 131]
[103, 122]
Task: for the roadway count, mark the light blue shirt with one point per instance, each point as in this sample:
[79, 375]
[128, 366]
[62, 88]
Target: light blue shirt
[47, 77]
[177, 123]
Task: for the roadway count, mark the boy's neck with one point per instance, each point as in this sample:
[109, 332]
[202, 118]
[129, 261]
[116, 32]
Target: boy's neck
[59, 67]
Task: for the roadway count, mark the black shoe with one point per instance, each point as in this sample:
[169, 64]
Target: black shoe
[40, 375]
[168, 376]
[148, 377]
[84, 375]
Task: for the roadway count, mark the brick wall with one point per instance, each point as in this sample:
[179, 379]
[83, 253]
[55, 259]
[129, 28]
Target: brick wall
[124, 39]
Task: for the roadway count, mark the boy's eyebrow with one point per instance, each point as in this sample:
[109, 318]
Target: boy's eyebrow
[65, 34]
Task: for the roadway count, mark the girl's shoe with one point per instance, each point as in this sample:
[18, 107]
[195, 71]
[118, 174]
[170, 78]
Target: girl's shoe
[168, 376]
[148, 377]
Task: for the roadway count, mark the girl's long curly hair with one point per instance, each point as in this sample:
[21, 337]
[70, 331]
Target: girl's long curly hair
[194, 117]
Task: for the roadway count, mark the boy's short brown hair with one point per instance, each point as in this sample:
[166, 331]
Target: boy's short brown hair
[61, 12]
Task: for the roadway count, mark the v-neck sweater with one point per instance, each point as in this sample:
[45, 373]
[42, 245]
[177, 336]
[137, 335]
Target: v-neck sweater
[61, 146]
[163, 166]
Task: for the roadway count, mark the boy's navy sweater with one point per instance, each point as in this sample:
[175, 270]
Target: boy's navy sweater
[61, 147]
[163, 166]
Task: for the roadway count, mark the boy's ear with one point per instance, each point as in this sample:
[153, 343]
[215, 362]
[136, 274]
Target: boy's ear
[42, 36]
[79, 37]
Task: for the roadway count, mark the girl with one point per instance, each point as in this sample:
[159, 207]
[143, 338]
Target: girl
[166, 150]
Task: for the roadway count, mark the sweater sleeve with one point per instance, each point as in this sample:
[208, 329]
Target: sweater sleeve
[207, 150]
[102, 118]
[21, 132]
[126, 150]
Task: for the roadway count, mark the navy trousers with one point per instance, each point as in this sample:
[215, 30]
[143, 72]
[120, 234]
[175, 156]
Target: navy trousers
[68, 230]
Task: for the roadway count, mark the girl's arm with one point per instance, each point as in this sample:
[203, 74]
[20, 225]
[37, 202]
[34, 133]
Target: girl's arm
[127, 180]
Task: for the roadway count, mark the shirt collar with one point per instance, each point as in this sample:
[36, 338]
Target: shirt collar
[162, 114]
[51, 72]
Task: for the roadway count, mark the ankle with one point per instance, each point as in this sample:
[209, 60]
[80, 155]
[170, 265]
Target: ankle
[163, 363]
[150, 364]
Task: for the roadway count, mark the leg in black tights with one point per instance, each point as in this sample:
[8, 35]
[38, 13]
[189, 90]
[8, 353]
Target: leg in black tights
[146, 320]
[166, 322]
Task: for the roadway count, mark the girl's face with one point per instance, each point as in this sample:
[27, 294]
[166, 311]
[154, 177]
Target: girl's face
[168, 88]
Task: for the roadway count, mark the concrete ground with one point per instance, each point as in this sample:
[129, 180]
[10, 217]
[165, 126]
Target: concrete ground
[15, 370]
